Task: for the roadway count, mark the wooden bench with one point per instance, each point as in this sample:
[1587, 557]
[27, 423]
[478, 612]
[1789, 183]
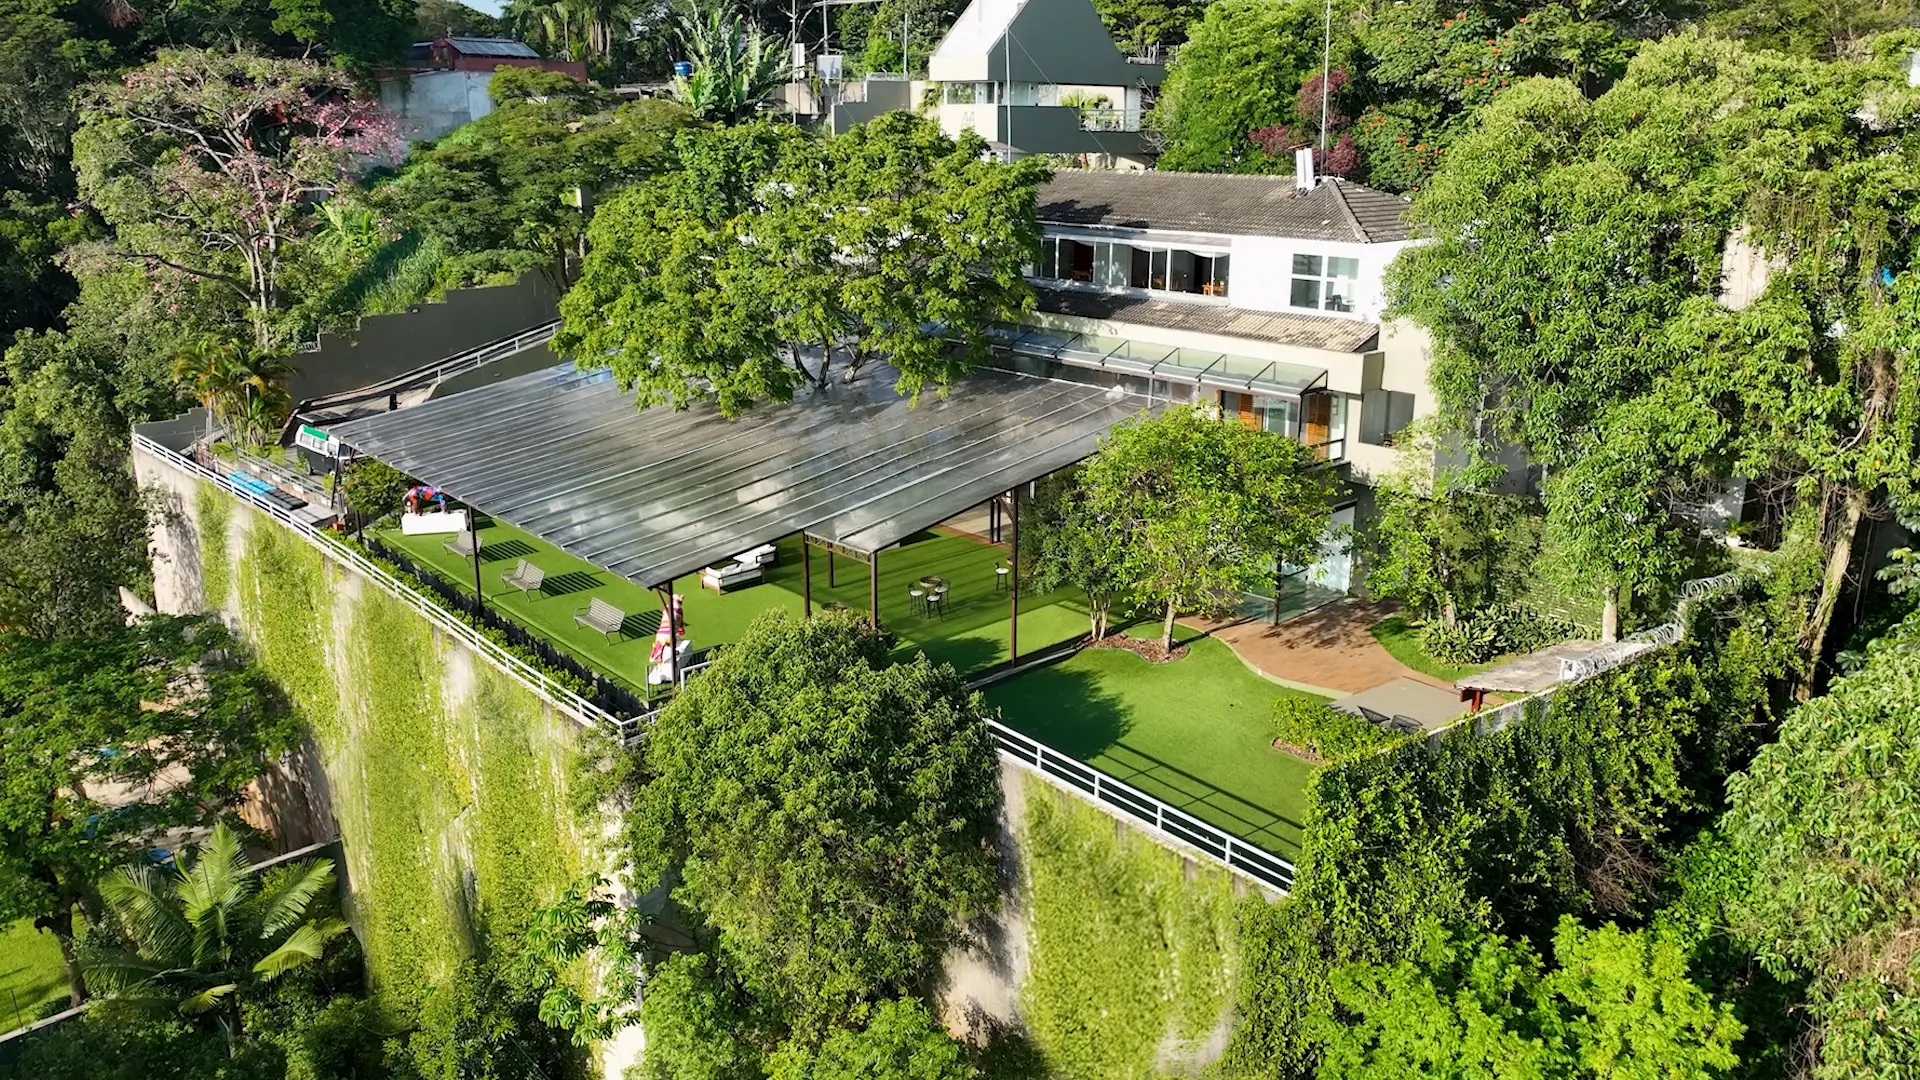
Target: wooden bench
[525, 576]
[602, 616]
[463, 545]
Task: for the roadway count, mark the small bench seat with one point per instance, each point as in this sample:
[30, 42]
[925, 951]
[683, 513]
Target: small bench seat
[602, 616]
[525, 576]
[464, 545]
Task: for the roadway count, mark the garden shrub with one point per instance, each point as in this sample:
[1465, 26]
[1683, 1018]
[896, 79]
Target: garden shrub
[1132, 946]
[1322, 731]
[375, 488]
[1493, 631]
[1570, 810]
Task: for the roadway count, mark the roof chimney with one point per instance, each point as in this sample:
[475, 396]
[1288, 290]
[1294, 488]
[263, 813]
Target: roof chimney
[1303, 177]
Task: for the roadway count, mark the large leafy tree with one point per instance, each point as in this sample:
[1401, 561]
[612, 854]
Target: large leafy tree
[208, 165]
[1208, 507]
[504, 194]
[1239, 72]
[1064, 545]
[106, 743]
[830, 815]
[205, 935]
[1477, 1006]
[749, 270]
[736, 64]
[1826, 820]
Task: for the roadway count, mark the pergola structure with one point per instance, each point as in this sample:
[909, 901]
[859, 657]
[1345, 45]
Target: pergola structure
[655, 494]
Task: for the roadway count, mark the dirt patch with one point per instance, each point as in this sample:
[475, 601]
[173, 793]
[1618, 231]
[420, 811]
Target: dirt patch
[1150, 651]
[1300, 752]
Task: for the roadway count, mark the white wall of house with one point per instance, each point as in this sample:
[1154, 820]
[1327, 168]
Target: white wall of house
[1263, 273]
[432, 103]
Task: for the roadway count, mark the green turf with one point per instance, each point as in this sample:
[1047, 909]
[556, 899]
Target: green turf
[1401, 639]
[972, 636]
[1196, 733]
[30, 973]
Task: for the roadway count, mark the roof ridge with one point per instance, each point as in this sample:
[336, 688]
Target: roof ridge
[1353, 219]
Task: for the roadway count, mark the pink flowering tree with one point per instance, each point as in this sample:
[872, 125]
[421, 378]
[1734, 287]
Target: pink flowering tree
[209, 166]
[1340, 157]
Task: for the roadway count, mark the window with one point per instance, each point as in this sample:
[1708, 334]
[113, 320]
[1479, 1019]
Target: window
[1325, 430]
[1133, 266]
[1323, 283]
[969, 93]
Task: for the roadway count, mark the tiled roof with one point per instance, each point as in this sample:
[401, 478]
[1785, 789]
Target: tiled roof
[1223, 203]
[1283, 328]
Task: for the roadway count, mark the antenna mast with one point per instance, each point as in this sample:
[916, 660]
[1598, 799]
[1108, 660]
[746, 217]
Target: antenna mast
[1326, 66]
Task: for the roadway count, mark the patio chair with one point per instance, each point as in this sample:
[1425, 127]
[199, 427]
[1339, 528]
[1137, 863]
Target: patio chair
[464, 544]
[1405, 723]
[525, 576]
[602, 616]
[1373, 717]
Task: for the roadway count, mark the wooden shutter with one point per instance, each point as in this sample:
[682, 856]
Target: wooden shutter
[1319, 410]
[1241, 405]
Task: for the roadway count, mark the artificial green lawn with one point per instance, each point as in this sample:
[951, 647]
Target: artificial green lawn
[1401, 639]
[1196, 732]
[30, 973]
[972, 637]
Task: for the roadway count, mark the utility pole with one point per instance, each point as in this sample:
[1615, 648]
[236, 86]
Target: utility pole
[1326, 68]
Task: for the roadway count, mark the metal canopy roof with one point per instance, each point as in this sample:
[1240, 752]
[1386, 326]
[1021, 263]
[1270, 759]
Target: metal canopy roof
[1202, 367]
[656, 494]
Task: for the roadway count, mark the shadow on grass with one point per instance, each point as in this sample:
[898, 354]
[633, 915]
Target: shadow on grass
[1064, 708]
[969, 656]
[573, 581]
[506, 549]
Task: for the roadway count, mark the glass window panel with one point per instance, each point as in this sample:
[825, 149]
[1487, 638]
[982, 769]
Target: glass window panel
[1142, 274]
[1343, 268]
[1111, 265]
[1306, 293]
[1182, 276]
[1220, 275]
[1306, 264]
[1276, 415]
[1338, 297]
[1049, 258]
[1080, 266]
[1159, 269]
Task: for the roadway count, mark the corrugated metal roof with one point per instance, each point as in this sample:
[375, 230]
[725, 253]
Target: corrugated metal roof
[1223, 204]
[1283, 328]
[474, 46]
[657, 494]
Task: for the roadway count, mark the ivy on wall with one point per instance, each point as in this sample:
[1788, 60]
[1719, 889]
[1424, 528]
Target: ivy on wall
[1568, 812]
[213, 512]
[448, 780]
[1133, 947]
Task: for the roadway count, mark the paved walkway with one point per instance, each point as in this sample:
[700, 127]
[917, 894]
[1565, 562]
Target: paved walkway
[1328, 648]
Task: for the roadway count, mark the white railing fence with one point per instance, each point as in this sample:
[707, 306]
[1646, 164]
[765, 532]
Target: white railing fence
[583, 712]
[1262, 866]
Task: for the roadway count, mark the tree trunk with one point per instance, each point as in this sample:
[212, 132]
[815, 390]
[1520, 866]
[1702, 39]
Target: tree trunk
[1838, 559]
[1449, 614]
[61, 928]
[1166, 632]
[1610, 615]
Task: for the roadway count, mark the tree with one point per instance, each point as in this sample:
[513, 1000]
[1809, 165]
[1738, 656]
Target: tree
[236, 385]
[1826, 30]
[830, 815]
[502, 194]
[1064, 545]
[901, 1041]
[1616, 1004]
[205, 934]
[450, 18]
[735, 65]
[89, 725]
[1210, 507]
[481, 1024]
[208, 166]
[1825, 818]
[742, 274]
[1239, 72]
[1441, 543]
[699, 1024]
[1140, 25]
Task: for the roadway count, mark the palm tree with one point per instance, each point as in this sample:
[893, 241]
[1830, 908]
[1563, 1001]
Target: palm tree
[235, 384]
[210, 370]
[204, 934]
[735, 65]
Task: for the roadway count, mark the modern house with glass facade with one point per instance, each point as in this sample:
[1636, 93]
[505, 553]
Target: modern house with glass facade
[1260, 296]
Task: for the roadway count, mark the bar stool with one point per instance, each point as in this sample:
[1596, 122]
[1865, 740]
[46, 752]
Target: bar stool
[916, 601]
[937, 601]
[1000, 573]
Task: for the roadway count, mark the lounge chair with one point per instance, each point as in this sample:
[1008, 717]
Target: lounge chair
[1403, 722]
[1373, 717]
[602, 616]
[464, 544]
[731, 576]
[525, 576]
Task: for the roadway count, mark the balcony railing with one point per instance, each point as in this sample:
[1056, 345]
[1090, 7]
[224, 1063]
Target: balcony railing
[1110, 119]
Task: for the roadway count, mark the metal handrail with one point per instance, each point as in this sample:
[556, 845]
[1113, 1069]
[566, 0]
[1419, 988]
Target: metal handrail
[583, 712]
[1236, 855]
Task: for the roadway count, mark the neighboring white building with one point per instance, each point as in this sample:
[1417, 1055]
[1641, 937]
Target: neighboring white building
[1031, 77]
[1261, 296]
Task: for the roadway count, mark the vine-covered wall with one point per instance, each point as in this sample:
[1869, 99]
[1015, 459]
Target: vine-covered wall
[448, 781]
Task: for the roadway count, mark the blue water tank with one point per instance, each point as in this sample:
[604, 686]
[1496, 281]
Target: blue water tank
[683, 69]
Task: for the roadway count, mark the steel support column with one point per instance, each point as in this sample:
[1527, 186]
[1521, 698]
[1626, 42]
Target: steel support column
[873, 590]
[806, 575]
[1013, 586]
